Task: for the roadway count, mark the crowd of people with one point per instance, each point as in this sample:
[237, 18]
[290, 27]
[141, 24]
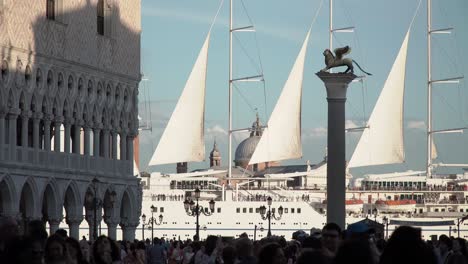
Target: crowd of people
[331, 245]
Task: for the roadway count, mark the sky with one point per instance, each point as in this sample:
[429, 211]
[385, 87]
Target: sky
[173, 32]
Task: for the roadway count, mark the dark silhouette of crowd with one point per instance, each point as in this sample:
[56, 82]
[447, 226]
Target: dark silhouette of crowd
[331, 245]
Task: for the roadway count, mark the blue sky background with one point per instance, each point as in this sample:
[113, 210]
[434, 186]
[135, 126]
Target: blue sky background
[174, 30]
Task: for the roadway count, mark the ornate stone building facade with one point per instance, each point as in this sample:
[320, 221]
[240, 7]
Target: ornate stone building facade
[68, 113]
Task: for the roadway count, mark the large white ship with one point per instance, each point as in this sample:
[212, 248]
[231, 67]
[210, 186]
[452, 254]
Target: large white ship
[435, 203]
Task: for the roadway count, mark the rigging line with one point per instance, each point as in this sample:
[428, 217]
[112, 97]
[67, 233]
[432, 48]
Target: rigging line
[445, 101]
[244, 97]
[452, 61]
[415, 13]
[217, 13]
[252, 61]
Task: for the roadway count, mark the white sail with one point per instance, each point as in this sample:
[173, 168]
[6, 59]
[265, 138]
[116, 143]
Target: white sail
[281, 140]
[434, 154]
[382, 140]
[183, 139]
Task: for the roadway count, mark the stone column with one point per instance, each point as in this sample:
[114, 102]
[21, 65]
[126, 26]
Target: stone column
[123, 146]
[96, 137]
[54, 224]
[90, 219]
[112, 223]
[77, 137]
[87, 143]
[47, 123]
[128, 230]
[2, 134]
[130, 147]
[12, 117]
[114, 145]
[106, 134]
[74, 226]
[57, 132]
[36, 132]
[336, 85]
[67, 136]
[24, 129]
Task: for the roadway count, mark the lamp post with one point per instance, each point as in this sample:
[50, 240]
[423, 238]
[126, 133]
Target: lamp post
[96, 203]
[385, 222]
[194, 209]
[270, 214]
[152, 221]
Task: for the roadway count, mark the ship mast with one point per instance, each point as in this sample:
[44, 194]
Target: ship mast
[256, 78]
[430, 81]
[331, 30]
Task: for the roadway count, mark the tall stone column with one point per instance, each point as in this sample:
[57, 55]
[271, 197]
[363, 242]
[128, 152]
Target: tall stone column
[24, 129]
[112, 223]
[36, 131]
[123, 146]
[96, 137]
[12, 117]
[76, 148]
[57, 133]
[106, 134]
[114, 145]
[130, 147]
[67, 136]
[336, 85]
[74, 226]
[2, 135]
[47, 123]
[54, 224]
[128, 230]
[87, 141]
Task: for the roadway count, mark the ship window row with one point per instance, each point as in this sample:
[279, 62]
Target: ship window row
[257, 210]
[202, 185]
[394, 184]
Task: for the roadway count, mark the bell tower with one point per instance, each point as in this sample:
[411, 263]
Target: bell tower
[215, 156]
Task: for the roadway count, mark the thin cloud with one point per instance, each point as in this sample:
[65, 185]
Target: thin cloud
[216, 130]
[315, 132]
[417, 125]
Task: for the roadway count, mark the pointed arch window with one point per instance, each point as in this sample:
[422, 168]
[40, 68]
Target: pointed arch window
[50, 9]
[100, 17]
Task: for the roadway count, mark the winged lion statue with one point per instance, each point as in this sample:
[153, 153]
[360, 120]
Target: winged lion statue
[332, 61]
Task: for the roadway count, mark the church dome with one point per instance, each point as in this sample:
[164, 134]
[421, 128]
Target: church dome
[246, 149]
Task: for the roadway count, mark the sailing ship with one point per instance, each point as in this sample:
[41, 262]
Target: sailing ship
[240, 192]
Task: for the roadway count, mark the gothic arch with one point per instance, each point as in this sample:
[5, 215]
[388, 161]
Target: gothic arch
[7, 195]
[126, 207]
[72, 201]
[50, 205]
[27, 205]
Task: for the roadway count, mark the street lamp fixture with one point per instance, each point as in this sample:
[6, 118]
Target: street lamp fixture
[270, 213]
[151, 221]
[194, 209]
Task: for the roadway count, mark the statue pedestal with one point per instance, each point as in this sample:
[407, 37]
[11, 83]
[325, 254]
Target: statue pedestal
[336, 85]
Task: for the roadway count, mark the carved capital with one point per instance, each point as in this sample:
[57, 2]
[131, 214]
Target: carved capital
[74, 220]
[59, 119]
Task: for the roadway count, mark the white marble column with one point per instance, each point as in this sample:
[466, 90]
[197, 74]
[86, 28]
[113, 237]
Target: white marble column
[336, 85]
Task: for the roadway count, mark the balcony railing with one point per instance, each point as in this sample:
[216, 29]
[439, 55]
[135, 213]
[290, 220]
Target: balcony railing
[66, 162]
